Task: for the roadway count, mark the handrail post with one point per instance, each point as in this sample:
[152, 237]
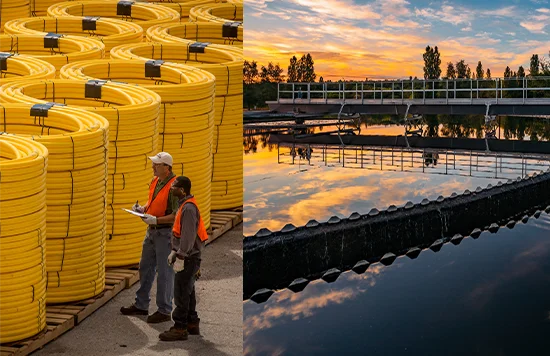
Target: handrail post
[454, 94]
[362, 93]
[471, 90]
[309, 93]
[496, 88]
[424, 92]
[447, 91]
[293, 94]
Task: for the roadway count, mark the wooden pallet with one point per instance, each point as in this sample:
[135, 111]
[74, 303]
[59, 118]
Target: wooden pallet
[222, 221]
[61, 318]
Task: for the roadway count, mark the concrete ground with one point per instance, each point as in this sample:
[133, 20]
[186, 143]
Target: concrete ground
[219, 304]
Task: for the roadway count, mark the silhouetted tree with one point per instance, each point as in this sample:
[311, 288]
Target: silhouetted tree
[292, 73]
[488, 74]
[250, 72]
[479, 71]
[271, 74]
[521, 72]
[432, 63]
[461, 69]
[534, 67]
[451, 73]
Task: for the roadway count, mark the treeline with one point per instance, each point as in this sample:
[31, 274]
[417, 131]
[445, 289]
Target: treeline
[298, 71]
[260, 82]
[461, 70]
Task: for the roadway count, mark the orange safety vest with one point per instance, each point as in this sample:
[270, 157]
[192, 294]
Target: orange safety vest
[201, 230]
[157, 206]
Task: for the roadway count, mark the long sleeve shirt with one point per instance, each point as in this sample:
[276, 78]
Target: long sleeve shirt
[189, 242]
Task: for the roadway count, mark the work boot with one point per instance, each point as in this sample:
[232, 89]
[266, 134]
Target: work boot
[174, 335]
[193, 327]
[158, 317]
[133, 310]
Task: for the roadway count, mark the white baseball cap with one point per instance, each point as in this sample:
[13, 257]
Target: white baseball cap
[162, 157]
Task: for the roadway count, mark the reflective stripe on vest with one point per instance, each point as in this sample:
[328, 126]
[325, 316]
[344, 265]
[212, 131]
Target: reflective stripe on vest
[201, 229]
[158, 206]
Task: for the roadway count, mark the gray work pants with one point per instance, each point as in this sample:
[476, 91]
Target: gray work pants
[156, 248]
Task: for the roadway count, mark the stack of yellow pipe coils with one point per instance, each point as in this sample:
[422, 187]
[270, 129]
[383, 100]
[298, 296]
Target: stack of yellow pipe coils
[143, 14]
[182, 6]
[23, 165]
[186, 115]
[132, 112]
[217, 12]
[76, 188]
[13, 9]
[111, 32]
[230, 33]
[40, 7]
[14, 67]
[227, 179]
[70, 48]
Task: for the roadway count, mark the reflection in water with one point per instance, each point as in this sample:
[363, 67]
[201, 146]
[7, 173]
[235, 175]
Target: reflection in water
[488, 296]
[277, 194]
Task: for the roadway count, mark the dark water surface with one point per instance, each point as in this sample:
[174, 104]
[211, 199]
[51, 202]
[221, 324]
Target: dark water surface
[278, 193]
[489, 296]
[486, 296]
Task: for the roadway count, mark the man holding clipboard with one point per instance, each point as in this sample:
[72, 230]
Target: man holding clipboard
[159, 213]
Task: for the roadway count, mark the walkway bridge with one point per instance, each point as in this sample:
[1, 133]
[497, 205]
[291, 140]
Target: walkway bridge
[498, 96]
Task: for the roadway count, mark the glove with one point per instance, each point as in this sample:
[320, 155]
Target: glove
[138, 208]
[178, 265]
[149, 219]
[171, 258]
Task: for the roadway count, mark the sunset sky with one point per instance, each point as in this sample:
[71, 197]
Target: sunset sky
[385, 39]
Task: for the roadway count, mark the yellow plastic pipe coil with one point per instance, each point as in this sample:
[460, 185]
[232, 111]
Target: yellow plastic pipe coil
[227, 179]
[111, 32]
[75, 196]
[14, 67]
[13, 9]
[69, 49]
[183, 6]
[132, 112]
[186, 118]
[217, 12]
[229, 33]
[23, 165]
[40, 7]
[143, 14]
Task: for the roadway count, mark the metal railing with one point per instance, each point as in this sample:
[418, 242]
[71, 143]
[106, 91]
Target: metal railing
[459, 91]
[441, 161]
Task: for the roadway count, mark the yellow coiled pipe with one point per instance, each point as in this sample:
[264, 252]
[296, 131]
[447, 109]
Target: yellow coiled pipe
[14, 67]
[186, 114]
[227, 180]
[212, 32]
[143, 14]
[111, 32]
[23, 166]
[217, 12]
[70, 48]
[182, 6]
[75, 196]
[132, 112]
[13, 9]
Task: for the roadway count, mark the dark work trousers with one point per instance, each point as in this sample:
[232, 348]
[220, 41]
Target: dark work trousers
[184, 293]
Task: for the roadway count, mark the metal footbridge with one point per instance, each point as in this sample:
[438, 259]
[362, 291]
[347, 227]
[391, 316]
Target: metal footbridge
[498, 96]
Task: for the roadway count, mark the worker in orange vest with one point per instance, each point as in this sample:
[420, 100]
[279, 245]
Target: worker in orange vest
[160, 212]
[188, 237]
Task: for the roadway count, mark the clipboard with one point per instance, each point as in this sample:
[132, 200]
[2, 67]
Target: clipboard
[134, 213]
